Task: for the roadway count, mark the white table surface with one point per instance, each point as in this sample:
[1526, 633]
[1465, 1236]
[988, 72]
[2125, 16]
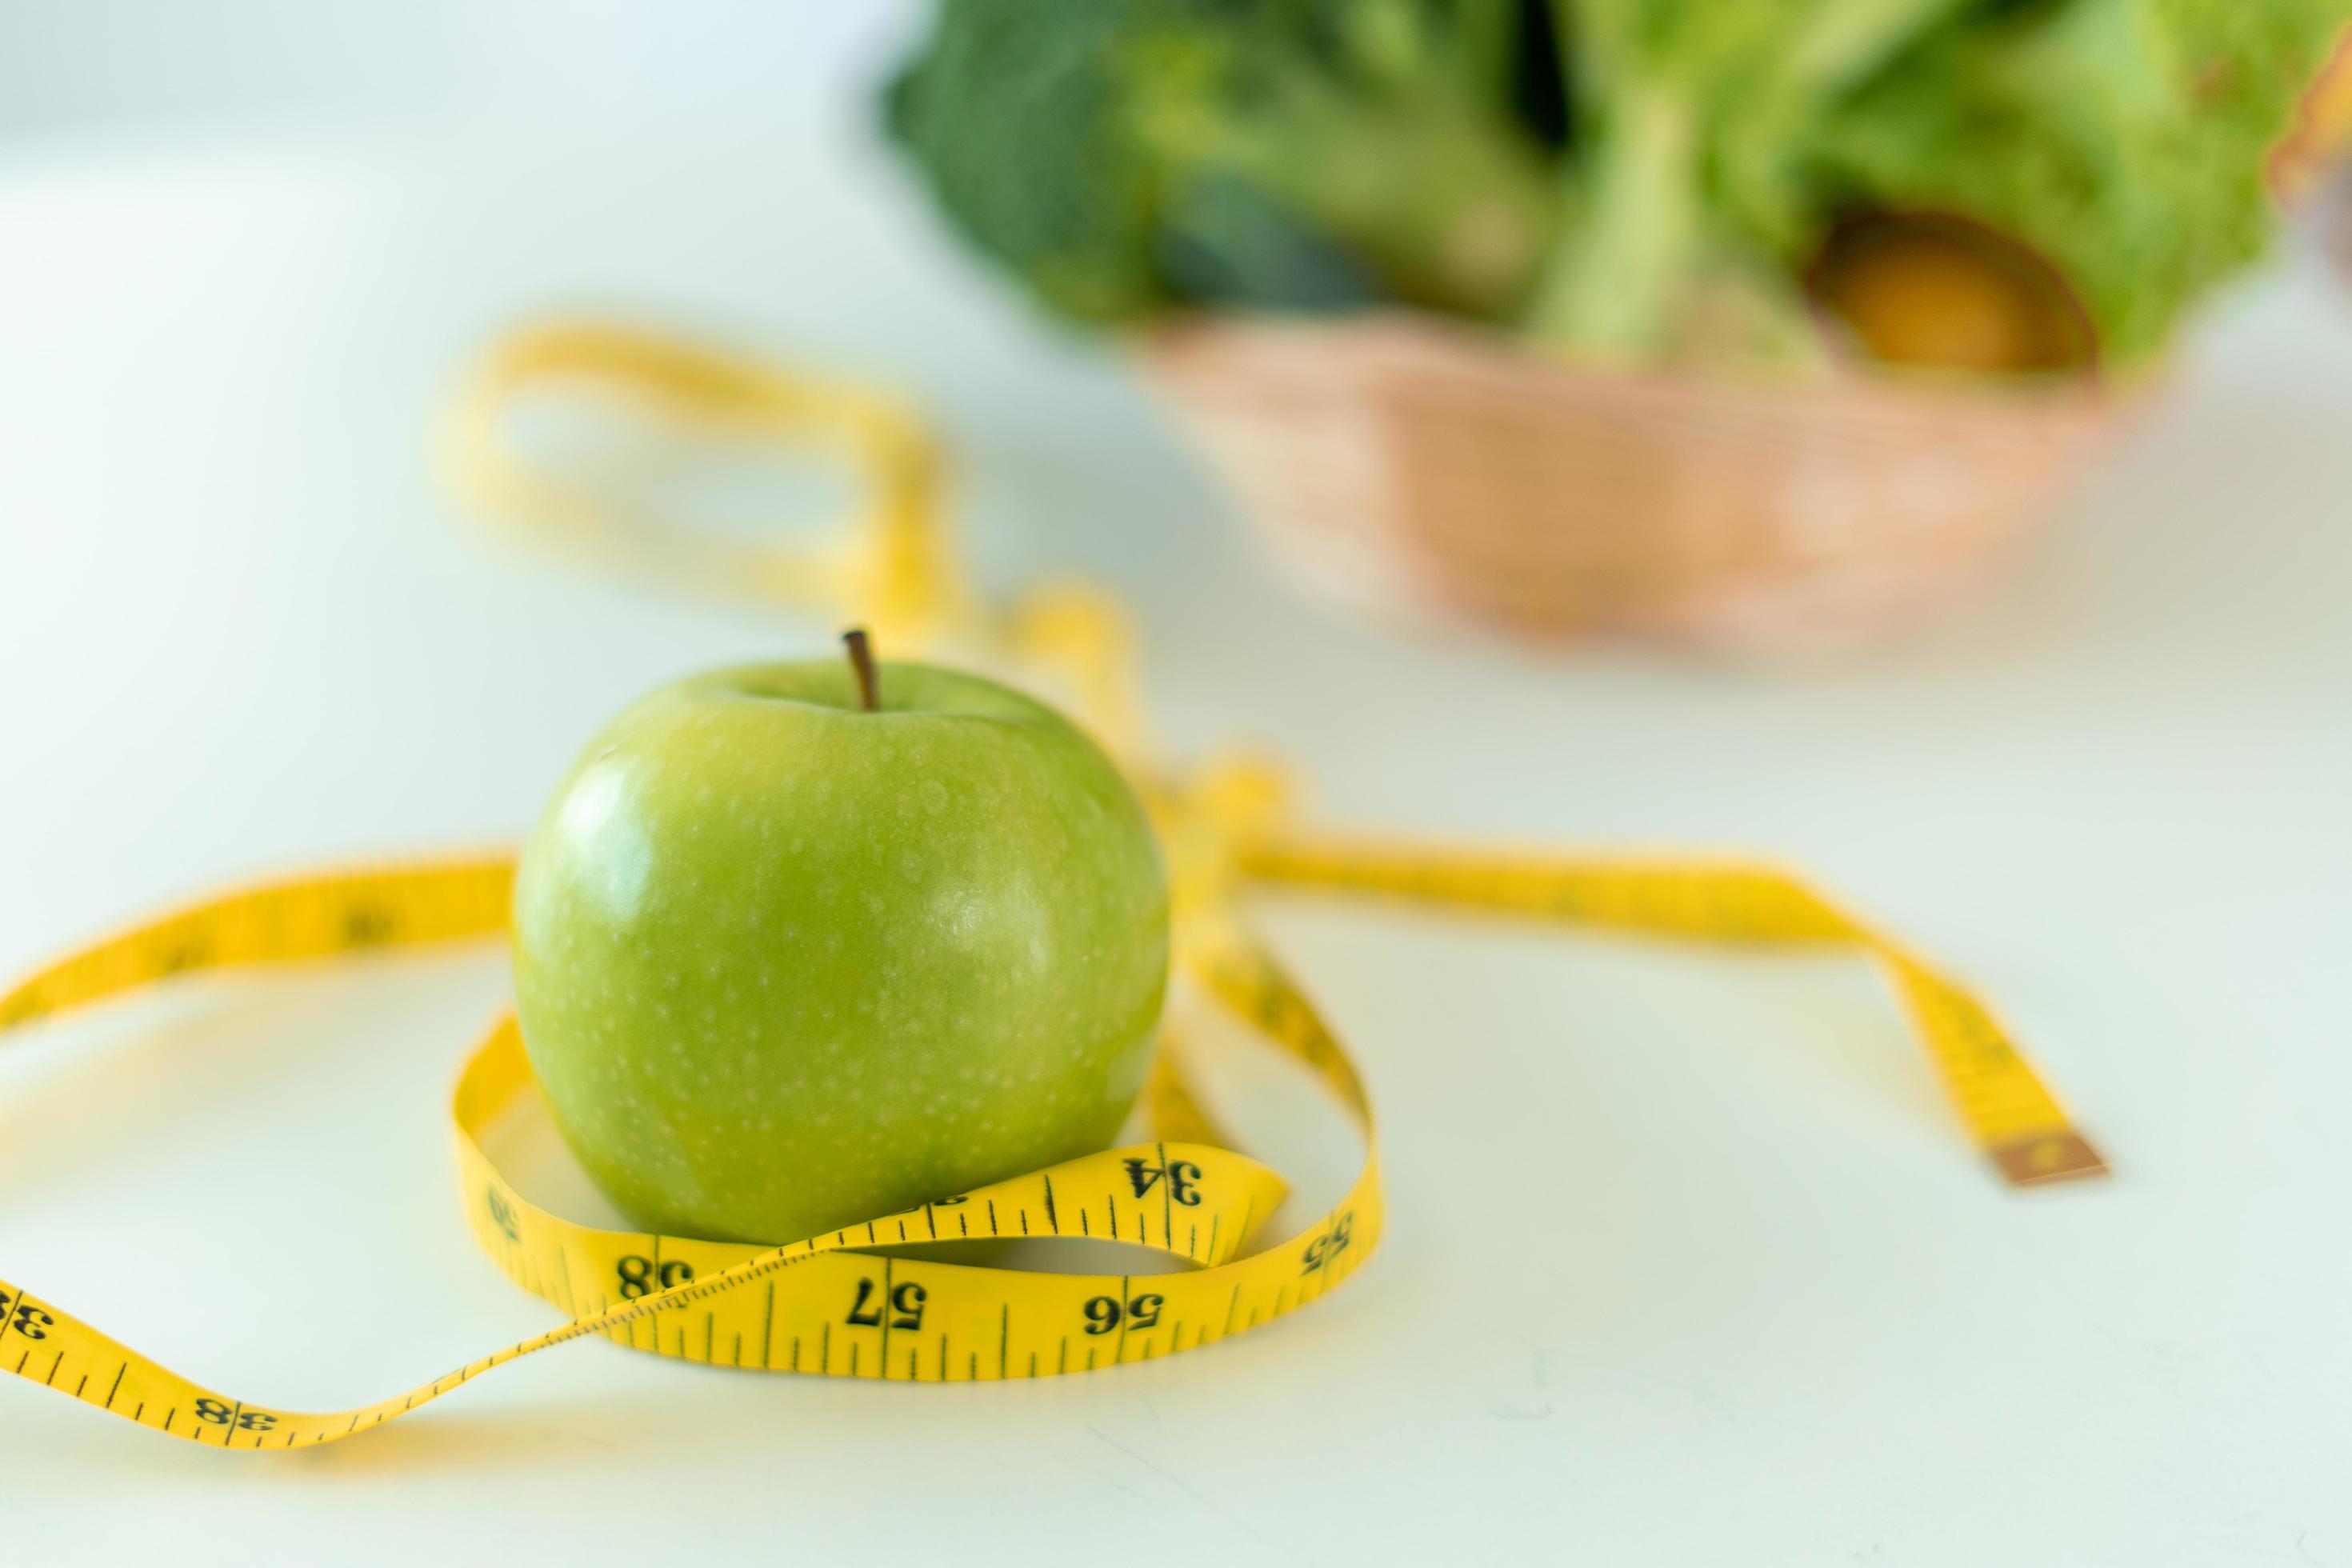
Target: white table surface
[1787, 1318]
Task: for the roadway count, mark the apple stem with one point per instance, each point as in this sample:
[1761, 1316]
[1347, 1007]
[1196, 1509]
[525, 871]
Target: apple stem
[861, 659]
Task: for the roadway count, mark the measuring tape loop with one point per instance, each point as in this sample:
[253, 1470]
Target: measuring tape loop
[844, 1304]
[890, 558]
[827, 1304]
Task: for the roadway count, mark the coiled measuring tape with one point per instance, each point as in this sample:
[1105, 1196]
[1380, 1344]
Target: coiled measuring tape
[833, 1304]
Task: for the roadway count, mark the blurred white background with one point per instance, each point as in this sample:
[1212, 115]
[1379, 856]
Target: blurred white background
[245, 250]
[136, 68]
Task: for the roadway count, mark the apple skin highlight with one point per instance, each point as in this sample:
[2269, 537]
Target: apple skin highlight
[782, 963]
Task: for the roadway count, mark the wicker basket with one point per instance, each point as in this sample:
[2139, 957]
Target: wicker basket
[1425, 473]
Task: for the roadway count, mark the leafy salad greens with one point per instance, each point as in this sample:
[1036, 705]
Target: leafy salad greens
[1616, 179]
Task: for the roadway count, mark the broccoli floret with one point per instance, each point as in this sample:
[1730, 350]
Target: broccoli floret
[1123, 156]
[1387, 128]
[1020, 114]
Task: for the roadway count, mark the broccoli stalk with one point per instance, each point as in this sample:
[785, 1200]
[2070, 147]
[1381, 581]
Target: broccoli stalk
[1681, 189]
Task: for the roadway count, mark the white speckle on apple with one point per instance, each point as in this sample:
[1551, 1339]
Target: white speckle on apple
[597, 810]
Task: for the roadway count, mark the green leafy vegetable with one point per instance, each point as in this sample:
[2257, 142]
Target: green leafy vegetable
[1643, 179]
[1125, 155]
[2123, 139]
[1018, 114]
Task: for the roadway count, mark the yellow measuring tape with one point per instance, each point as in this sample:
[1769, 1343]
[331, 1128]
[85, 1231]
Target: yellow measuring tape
[833, 1304]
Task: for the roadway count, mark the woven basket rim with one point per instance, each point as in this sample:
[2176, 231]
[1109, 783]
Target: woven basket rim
[1407, 345]
[1436, 467]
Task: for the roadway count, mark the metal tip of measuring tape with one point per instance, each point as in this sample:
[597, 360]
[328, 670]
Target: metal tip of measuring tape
[2047, 1157]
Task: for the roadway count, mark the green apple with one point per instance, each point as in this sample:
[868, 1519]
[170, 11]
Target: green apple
[784, 961]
